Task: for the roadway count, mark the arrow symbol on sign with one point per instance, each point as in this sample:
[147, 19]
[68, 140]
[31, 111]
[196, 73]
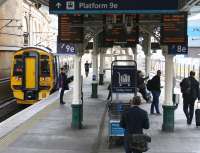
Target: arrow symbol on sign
[58, 5]
[62, 46]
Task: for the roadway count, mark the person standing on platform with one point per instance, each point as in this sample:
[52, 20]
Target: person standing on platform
[190, 92]
[156, 90]
[134, 120]
[87, 68]
[64, 84]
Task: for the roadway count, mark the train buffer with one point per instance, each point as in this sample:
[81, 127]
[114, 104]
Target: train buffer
[46, 127]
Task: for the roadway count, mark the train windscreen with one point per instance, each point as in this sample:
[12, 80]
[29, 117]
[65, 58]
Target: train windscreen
[18, 66]
[44, 66]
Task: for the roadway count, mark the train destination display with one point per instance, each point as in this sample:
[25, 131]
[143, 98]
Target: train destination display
[68, 29]
[112, 6]
[174, 29]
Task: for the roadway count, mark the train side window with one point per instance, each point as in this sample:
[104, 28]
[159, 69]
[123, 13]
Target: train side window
[18, 66]
[44, 66]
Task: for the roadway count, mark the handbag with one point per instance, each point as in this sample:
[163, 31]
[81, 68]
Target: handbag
[139, 142]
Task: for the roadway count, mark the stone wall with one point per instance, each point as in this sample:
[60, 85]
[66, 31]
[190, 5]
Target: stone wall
[10, 23]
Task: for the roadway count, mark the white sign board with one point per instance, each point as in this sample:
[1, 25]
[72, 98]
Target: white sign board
[194, 32]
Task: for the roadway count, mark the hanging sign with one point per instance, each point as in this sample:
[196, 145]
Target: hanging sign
[174, 29]
[124, 79]
[178, 49]
[69, 29]
[112, 6]
[64, 48]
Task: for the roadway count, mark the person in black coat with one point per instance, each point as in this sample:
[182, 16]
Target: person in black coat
[156, 90]
[134, 120]
[190, 96]
[64, 84]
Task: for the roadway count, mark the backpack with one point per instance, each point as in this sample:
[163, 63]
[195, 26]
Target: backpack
[149, 85]
[185, 86]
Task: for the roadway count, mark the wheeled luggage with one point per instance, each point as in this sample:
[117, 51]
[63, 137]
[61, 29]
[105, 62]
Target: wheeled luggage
[197, 115]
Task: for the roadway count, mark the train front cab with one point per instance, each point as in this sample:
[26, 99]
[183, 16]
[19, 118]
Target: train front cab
[32, 76]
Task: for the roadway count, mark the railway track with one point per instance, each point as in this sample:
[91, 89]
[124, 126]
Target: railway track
[9, 108]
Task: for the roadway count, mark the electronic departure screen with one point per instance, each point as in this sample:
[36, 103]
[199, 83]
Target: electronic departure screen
[70, 28]
[174, 29]
[117, 34]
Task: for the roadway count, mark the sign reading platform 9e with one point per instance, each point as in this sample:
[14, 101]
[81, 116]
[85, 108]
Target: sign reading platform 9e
[124, 79]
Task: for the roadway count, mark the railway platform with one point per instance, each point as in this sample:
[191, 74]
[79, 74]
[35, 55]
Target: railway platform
[46, 128]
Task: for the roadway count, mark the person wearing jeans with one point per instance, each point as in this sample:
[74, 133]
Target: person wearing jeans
[156, 86]
[155, 102]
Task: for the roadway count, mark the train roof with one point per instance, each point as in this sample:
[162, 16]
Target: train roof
[48, 50]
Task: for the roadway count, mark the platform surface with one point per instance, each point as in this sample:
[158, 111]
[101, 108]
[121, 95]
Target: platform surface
[49, 130]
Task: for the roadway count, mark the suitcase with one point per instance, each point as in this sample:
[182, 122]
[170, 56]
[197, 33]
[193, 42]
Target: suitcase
[197, 115]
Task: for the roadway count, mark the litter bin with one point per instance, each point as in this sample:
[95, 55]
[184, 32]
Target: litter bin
[176, 99]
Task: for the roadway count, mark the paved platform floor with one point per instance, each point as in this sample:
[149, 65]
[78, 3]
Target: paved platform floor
[49, 131]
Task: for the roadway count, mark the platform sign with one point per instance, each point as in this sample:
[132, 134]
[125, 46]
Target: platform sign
[174, 29]
[112, 6]
[66, 48]
[117, 34]
[178, 49]
[69, 29]
[124, 79]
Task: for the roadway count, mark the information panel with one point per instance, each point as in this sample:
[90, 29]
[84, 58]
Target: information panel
[124, 79]
[112, 6]
[174, 29]
[118, 34]
[69, 29]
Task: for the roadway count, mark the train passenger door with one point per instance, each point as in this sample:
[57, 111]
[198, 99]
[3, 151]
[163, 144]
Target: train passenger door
[31, 71]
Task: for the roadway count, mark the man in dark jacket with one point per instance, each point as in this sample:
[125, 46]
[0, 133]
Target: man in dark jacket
[156, 90]
[64, 84]
[189, 96]
[134, 120]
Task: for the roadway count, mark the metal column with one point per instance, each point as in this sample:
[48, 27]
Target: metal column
[168, 107]
[76, 103]
[147, 52]
[95, 71]
[101, 67]
[135, 53]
